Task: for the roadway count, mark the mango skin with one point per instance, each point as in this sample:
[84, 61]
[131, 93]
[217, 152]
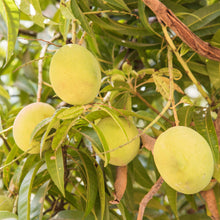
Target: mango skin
[25, 122]
[184, 159]
[6, 204]
[115, 137]
[75, 74]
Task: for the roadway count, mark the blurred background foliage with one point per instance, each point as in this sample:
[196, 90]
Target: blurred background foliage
[129, 44]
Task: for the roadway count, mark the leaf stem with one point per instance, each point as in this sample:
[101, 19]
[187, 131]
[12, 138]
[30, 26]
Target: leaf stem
[184, 65]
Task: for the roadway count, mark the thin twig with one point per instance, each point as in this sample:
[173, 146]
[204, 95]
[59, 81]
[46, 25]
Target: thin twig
[170, 68]
[148, 197]
[40, 66]
[185, 66]
[151, 107]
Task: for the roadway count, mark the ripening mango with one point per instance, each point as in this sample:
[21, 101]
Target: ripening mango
[116, 136]
[75, 74]
[25, 123]
[184, 159]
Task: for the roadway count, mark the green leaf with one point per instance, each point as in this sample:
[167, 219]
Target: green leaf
[140, 174]
[8, 215]
[4, 93]
[101, 189]
[7, 169]
[10, 14]
[25, 192]
[119, 4]
[84, 22]
[144, 18]
[55, 166]
[204, 125]
[91, 181]
[37, 203]
[72, 214]
[172, 198]
[33, 10]
[185, 115]
[213, 67]
[198, 67]
[61, 133]
[70, 113]
[106, 155]
[202, 16]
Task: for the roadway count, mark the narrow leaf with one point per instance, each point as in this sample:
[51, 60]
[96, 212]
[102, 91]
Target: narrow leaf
[33, 10]
[61, 133]
[119, 4]
[91, 183]
[202, 16]
[172, 198]
[204, 125]
[37, 203]
[4, 93]
[25, 192]
[70, 113]
[55, 166]
[10, 14]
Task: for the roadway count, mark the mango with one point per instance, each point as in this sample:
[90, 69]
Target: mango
[25, 123]
[184, 159]
[116, 136]
[75, 74]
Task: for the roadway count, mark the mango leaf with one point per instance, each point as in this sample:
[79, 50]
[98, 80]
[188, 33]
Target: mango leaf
[185, 115]
[66, 9]
[91, 181]
[61, 133]
[101, 189]
[196, 216]
[55, 166]
[4, 93]
[144, 18]
[70, 113]
[141, 175]
[25, 192]
[7, 170]
[84, 22]
[37, 203]
[64, 26]
[105, 156]
[172, 198]
[72, 214]
[8, 215]
[204, 125]
[111, 25]
[213, 67]
[119, 4]
[33, 10]
[202, 16]
[10, 14]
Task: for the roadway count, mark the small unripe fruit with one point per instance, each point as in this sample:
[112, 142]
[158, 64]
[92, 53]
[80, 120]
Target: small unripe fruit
[116, 137]
[6, 204]
[184, 159]
[75, 74]
[25, 123]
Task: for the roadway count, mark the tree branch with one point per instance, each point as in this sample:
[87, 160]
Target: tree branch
[182, 31]
[148, 197]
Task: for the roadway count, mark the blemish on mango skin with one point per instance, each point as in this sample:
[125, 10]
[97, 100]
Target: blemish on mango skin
[184, 159]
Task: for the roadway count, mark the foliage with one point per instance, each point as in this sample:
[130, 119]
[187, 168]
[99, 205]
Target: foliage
[68, 181]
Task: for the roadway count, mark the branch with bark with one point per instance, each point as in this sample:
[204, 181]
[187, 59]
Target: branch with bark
[182, 31]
